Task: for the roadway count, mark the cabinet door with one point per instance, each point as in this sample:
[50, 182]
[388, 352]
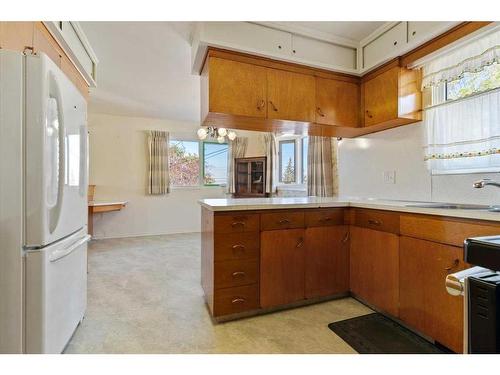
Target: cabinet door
[282, 255]
[337, 102]
[291, 96]
[380, 96]
[237, 88]
[385, 47]
[425, 304]
[16, 36]
[327, 261]
[374, 268]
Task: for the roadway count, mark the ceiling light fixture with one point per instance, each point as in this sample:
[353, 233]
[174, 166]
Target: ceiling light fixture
[213, 132]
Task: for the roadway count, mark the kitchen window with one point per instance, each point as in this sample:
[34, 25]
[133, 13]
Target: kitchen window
[461, 91]
[287, 161]
[214, 163]
[184, 163]
[292, 157]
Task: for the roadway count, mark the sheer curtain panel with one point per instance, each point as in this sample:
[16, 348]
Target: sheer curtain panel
[159, 179]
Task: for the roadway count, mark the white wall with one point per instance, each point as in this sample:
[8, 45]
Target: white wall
[362, 162]
[118, 168]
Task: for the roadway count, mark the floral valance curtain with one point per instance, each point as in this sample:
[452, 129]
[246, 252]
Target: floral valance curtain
[473, 57]
[159, 177]
[463, 135]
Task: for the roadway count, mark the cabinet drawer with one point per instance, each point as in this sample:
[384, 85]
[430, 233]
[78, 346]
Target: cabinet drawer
[236, 273]
[385, 47]
[233, 246]
[445, 230]
[281, 220]
[236, 223]
[378, 220]
[324, 217]
[236, 300]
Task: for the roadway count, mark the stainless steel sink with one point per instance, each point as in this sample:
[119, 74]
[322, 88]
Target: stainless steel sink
[454, 206]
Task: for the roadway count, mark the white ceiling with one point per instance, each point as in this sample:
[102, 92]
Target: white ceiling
[144, 68]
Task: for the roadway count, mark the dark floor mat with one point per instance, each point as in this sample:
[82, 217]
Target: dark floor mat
[376, 334]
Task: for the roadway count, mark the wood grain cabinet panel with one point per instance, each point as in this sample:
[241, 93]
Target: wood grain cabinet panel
[16, 36]
[424, 302]
[326, 261]
[236, 300]
[291, 96]
[236, 246]
[236, 273]
[282, 256]
[374, 268]
[237, 88]
[337, 102]
[323, 217]
[281, 220]
[384, 221]
[381, 97]
[237, 222]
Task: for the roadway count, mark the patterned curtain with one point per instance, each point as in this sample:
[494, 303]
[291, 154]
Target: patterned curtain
[271, 162]
[322, 177]
[237, 149]
[159, 177]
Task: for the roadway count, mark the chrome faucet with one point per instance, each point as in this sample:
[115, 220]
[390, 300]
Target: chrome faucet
[485, 181]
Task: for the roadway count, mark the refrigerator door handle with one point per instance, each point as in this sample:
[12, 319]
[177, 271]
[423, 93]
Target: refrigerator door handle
[59, 254]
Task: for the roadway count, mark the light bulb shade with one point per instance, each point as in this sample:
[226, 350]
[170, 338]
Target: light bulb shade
[222, 132]
[231, 135]
[220, 139]
[202, 133]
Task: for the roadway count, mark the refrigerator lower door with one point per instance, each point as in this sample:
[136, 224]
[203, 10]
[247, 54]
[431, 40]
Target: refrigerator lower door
[56, 293]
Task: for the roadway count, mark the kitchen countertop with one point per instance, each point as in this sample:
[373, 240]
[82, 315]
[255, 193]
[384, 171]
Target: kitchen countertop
[243, 204]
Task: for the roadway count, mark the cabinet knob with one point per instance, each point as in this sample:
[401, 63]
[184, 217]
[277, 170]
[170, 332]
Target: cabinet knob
[238, 274]
[284, 221]
[346, 238]
[395, 42]
[239, 247]
[414, 33]
[274, 107]
[455, 264]
[300, 243]
[279, 47]
[238, 300]
[236, 223]
[293, 51]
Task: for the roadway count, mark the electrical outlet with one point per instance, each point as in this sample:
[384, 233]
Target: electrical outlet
[390, 177]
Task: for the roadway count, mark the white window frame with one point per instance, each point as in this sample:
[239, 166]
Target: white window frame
[298, 185]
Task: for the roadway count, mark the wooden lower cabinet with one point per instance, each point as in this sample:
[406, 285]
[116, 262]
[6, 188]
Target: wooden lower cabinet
[424, 303]
[282, 262]
[326, 261]
[374, 268]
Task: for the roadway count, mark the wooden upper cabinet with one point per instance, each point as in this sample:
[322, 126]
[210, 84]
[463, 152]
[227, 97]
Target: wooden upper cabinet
[424, 302]
[374, 268]
[237, 88]
[337, 102]
[16, 36]
[391, 97]
[291, 96]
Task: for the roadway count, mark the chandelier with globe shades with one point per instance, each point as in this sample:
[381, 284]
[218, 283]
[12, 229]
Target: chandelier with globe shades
[216, 133]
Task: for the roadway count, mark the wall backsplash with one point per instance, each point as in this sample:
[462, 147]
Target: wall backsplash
[363, 161]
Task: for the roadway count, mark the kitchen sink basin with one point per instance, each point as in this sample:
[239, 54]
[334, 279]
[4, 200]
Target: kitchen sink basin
[453, 206]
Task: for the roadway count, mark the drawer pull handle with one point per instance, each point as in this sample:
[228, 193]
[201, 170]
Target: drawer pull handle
[346, 238]
[239, 247]
[374, 222]
[239, 274]
[236, 223]
[274, 107]
[320, 112]
[368, 113]
[238, 300]
[300, 243]
[454, 265]
[284, 221]
[261, 104]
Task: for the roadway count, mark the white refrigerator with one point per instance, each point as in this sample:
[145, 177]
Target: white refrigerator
[43, 205]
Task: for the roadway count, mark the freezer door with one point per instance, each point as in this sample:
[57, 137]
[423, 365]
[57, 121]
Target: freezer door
[56, 293]
[56, 154]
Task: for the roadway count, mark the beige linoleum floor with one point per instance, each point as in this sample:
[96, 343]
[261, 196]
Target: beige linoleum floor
[144, 296]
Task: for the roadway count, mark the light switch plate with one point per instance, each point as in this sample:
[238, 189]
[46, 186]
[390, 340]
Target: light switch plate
[390, 177]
